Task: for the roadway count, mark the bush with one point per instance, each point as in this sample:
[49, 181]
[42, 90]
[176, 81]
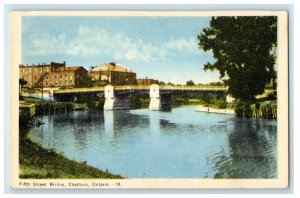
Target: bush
[247, 109]
[135, 102]
[238, 108]
[221, 104]
[242, 108]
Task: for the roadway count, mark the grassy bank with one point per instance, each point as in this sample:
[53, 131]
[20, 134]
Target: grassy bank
[40, 163]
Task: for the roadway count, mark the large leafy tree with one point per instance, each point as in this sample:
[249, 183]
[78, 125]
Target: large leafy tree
[245, 52]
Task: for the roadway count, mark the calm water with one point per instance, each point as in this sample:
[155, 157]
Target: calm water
[151, 144]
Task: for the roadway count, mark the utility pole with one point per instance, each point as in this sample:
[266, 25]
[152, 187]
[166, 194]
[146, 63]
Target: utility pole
[42, 82]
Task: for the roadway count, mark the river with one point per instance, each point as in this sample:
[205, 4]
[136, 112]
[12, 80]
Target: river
[182, 143]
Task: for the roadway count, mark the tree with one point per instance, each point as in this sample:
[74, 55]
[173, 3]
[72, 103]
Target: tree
[190, 83]
[245, 52]
[87, 81]
[216, 83]
[22, 83]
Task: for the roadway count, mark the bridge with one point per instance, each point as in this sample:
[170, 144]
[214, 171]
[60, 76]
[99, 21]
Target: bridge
[118, 97]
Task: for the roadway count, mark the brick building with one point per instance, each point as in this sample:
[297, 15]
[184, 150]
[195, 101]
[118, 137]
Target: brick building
[53, 75]
[114, 74]
[147, 81]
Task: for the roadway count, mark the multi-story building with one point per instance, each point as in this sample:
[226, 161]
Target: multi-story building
[53, 75]
[114, 74]
[147, 81]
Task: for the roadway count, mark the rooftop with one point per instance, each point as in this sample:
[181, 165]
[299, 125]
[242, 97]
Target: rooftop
[112, 67]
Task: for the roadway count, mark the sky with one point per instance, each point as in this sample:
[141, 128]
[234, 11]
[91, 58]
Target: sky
[163, 48]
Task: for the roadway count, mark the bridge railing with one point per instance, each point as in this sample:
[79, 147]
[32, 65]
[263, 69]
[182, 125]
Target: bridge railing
[85, 89]
[132, 87]
[147, 87]
[193, 88]
[144, 87]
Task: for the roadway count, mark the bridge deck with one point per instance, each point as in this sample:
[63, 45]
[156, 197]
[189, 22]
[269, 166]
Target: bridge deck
[143, 88]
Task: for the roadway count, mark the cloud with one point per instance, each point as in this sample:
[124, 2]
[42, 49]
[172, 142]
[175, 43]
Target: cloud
[45, 44]
[182, 44]
[93, 41]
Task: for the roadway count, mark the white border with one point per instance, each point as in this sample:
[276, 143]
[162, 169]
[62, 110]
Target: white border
[280, 182]
[294, 82]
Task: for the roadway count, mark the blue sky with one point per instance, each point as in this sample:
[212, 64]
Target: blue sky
[164, 48]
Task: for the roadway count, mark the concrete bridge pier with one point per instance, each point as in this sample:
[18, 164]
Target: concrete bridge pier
[159, 101]
[114, 101]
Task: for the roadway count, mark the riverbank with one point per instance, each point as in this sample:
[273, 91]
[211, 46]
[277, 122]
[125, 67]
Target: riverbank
[262, 109]
[37, 162]
[202, 108]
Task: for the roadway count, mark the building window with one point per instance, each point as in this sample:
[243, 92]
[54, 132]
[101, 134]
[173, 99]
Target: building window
[71, 81]
[55, 76]
[34, 77]
[60, 76]
[66, 75]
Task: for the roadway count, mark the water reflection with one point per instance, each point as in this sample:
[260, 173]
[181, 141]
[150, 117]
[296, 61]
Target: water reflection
[151, 144]
[252, 151]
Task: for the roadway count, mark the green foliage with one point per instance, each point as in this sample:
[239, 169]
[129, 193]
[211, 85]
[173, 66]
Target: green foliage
[190, 83]
[242, 108]
[221, 103]
[21, 97]
[43, 106]
[22, 82]
[87, 81]
[216, 83]
[25, 120]
[244, 50]
[208, 99]
[89, 102]
[180, 100]
[135, 102]
[268, 110]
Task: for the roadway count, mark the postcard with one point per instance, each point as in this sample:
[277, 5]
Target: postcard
[149, 100]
